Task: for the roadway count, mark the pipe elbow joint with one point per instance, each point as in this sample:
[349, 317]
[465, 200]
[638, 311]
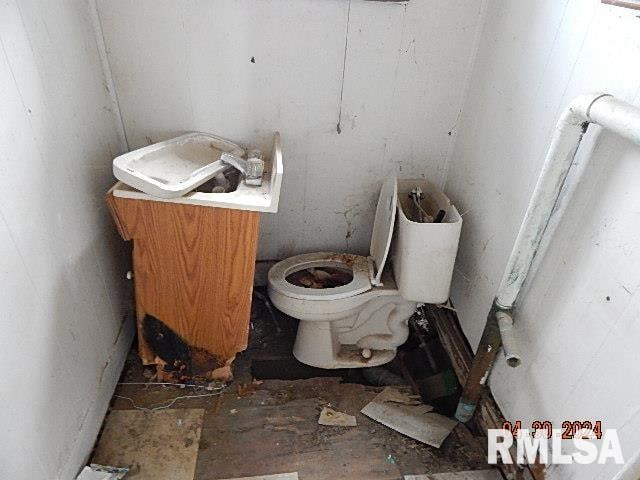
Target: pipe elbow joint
[510, 344]
[577, 112]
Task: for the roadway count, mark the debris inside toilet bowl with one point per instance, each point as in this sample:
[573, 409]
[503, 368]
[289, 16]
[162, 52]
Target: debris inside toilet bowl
[320, 277]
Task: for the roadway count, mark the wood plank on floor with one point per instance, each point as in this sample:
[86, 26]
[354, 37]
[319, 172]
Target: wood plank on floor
[271, 430]
[271, 439]
[162, 445]
[275, 430]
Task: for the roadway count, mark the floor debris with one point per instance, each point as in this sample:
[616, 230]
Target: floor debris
[275, 429]
[88, 473]
[102, 472]
[331, 417]
[117, 473]
[397, 395]
[162, 445]
[470, 475]
[277, 476]
[246, 389]
[405, 414]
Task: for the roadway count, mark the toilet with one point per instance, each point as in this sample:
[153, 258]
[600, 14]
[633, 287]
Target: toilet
[352, 311]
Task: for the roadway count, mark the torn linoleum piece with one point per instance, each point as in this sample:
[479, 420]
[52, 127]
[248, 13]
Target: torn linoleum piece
[399, 411]
[333, 418]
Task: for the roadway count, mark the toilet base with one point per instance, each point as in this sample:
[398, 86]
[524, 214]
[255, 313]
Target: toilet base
[346, 356]
[376, 329]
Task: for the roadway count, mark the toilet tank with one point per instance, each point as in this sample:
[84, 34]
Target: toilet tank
[423, 254]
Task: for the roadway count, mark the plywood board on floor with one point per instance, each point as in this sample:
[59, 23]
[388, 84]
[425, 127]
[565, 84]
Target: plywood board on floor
[161, 445]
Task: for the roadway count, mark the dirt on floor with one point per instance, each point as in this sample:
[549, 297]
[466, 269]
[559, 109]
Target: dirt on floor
[271, 425]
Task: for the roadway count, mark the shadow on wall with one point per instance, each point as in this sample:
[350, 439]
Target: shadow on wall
[66, 286]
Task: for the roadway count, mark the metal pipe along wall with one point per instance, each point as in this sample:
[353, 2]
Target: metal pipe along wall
[597, 108]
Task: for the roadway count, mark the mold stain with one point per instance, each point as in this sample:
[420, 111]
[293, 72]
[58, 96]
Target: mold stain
[348, 215]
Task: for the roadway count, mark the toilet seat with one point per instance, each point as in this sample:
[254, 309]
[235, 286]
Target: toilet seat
[359, 266]
[367, 271]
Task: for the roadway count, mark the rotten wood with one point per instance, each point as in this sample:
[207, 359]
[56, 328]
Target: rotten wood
[193, 274]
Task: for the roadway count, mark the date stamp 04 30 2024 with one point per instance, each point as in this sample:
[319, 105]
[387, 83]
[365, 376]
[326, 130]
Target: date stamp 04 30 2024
[542, 443]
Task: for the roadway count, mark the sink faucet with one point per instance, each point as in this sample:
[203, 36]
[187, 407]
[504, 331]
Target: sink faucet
[252, 169]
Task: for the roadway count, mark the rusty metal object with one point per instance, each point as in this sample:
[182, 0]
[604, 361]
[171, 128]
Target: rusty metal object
[481, 367]
[488, 414]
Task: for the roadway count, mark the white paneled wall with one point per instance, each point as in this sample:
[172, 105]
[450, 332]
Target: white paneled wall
[61, 283]
[359, 90]
[580, 322]
[398, 87]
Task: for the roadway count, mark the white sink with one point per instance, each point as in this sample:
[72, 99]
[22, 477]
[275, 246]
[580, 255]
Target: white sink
[259, 199]
[174, 167]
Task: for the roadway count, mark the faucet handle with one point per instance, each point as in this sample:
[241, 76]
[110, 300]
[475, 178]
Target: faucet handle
[252, 169]
[255, 168]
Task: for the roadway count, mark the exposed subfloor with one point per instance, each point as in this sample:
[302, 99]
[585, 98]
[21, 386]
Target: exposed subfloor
[253, 429]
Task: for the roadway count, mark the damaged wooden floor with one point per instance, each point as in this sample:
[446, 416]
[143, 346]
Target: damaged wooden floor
[272, 427]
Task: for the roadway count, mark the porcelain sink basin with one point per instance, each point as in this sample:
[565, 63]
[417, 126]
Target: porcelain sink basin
[174, 167]
[259, 199]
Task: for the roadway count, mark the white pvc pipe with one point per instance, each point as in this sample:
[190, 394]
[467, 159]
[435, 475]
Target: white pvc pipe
[510, 345]
[598, 108]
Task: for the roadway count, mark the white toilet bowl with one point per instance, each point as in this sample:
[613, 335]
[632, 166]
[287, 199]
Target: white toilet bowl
[338, 324]
[359, 317]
